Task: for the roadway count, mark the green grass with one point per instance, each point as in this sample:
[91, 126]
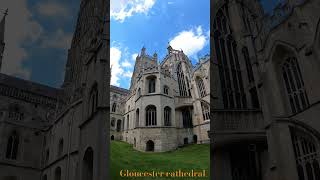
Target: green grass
[124, 157]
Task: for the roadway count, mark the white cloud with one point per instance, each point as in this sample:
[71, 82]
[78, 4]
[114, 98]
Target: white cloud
[191, 41]
[128, 74]
[122, 9]
[199, 31]
[52, 9]
[126, 63]
[21, 28]
[134, 56]
[59, 40]
[116, 71]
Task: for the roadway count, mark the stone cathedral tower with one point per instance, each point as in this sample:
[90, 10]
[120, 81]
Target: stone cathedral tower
[61, 133]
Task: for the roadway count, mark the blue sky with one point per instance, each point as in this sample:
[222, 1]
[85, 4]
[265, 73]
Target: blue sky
[38, 34]
[154, 24]
[37, 37]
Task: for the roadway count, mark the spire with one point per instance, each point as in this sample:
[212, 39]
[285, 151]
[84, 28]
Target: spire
[169, 48]
[143, 51]
[2, 28]
[155, 56]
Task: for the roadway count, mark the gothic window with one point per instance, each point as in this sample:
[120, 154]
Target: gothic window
[12, 146]
[128, 121]
[114, 107]
[307, 152]
[152, 84]
[228, 63]
[137, 118]
[87, 168]
[47, 156]
[187, 118]
[205, 111]
[294, 84]
[151, 115]
[128, 108]
[93, 100]
[57, 173]
[166, 90]
[167, 116]
[201, 87]
[113, 122]
[60, 147]
[254, 98]
[181, 81]
[118, 125]
[246, 57]
[139, 92]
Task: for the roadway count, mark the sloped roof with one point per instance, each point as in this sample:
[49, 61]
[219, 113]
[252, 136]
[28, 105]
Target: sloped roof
[29, 86]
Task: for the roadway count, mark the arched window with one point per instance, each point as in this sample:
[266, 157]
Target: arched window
[57, 173]
[205, 111]
[87, 167]
[201, 87]
[187, 118]
[60, 147]
[128, 121]
[151, 115]
[137, 118]
[246, 57]
[113, 121]
[139, 92]
[294, 84]
[232, 89]
[134, 142]
[166, 90]
[307, 151]
[118, 125]
[114, 107]
[47, 156]
[12, 146]
[183, 86]
[93, 100]
[151, 84]
[167, 116]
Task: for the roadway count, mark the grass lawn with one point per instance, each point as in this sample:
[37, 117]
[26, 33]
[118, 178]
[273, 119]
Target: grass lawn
[124, 157]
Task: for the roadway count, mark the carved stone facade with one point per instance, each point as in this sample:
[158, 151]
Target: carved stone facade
[167, 105]
[60, 133]
[265, 90]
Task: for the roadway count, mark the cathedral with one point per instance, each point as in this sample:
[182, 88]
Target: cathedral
[265, 90]
[167, 105]
[51, 133]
